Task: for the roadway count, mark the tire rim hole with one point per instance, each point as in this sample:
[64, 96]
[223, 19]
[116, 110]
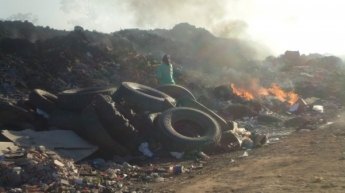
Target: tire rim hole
[188, 128]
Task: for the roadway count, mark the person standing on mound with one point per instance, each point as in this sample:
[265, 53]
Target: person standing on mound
[165, 71]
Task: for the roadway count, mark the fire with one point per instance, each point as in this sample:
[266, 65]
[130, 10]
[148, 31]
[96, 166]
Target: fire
[257, 91]
[283, 96]
[242, 93]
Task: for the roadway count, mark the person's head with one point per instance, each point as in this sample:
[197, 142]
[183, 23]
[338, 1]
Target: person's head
[166, 59]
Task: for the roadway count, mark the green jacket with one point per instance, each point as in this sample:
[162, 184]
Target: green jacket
[165, 74]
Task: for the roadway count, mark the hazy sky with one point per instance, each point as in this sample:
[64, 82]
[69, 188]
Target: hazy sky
[310, 26]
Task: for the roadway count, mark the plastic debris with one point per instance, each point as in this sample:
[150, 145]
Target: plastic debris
[245, 154]
[144, 148]
[177, 155]
[177, 169]
[247, 143]
[318, 108]
[273, 140]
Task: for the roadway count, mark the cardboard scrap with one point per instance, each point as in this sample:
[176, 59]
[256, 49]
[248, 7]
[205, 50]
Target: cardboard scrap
[6, 147]
[64, 142]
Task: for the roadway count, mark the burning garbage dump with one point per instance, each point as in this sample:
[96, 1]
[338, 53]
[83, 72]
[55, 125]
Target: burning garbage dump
[58, 134]
[120, 122]
[80, 121]
[286, 109]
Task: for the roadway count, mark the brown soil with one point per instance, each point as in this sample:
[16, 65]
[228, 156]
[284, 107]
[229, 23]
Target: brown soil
[302, 162]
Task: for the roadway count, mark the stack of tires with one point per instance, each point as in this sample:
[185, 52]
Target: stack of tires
[91, 113]
[179, 126]
[105, 116]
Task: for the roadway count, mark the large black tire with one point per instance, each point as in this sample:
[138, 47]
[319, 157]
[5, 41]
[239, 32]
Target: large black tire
[143, 98]
[77, 99]
[43, 100]
[176, 91]
[118, 127]
[66, 120]
[12, 115]
[195, 104]
[93, 131]
[174, 123]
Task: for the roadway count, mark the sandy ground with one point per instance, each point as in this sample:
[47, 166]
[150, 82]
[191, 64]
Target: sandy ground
[311, 161]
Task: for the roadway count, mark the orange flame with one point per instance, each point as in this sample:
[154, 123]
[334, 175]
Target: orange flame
[283, 96]
[274, 90]
[242, 93]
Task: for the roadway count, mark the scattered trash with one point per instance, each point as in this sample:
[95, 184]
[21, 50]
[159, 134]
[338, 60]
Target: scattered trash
[245, 154]
[7, 147]
[42, 148]
[58, 163]
[300, 106]
[17, 170]
[247, 143]
[177, 155]
[159, 179]
[197, 167]
[273, 140]
[177, 169]
[47, 157]
[72, 146]
[78, 181]
[318, 108]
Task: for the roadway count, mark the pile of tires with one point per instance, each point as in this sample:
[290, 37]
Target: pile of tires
[176, 128]
[90, 112]
[119, 119]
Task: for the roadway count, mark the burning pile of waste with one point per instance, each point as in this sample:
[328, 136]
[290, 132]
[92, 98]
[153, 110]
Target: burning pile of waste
[71, 108]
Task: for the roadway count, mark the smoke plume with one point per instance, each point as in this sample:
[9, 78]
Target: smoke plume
[23, 17]
[165, 13]
[211, 15]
